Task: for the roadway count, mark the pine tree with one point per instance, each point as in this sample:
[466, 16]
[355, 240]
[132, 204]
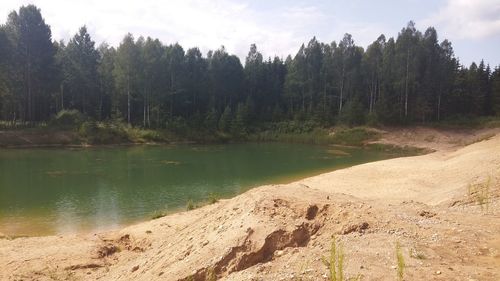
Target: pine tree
[225, 120]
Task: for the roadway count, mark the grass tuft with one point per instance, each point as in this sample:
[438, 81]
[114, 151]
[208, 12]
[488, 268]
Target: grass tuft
[336, 262]
[401, 261]
[158, 214]
[211, 276]
[213, 198]
[480, 193]
[190, 205]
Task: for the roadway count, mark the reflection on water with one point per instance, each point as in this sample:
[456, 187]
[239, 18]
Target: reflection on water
[66, 215]
[49, 191]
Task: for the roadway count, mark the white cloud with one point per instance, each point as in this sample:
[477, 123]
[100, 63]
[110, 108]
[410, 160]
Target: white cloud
[467, 19]
[205, 24]
[363, 33]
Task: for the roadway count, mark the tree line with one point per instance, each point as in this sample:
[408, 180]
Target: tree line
[411, 78]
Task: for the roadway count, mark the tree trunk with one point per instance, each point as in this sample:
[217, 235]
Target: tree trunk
[62, 96]
[144, 115]
[372, 90]
[406, 82]
[157, 116]
[100, 101]
[149, 107]
[144, 108]
[439, 107]
[128, 98]
[28, 74]
[341, 92]
[303, 100]
[324, 99]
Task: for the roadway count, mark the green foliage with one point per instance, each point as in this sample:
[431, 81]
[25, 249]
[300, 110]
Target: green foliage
[307, 133]
[293, 127]
[190, 205]
[240, 122]
[67, 119]
[113, 132]
[177, 125]
[79, 63]
[33, 74]
[213, 198]
[225, 120]
[353, 114]
[318, 137]
[20, 125]
[372, 120]
[211, 120]
[103, 133]
[412, 78]
[158, 214]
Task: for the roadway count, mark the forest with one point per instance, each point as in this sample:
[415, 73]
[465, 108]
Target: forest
[414, 78]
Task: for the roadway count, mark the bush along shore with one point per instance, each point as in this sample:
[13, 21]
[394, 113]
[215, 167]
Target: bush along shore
[70, 127]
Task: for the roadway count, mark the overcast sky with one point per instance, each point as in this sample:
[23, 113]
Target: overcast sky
[277, 27]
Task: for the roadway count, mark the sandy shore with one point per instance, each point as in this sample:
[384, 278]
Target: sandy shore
[438, 207]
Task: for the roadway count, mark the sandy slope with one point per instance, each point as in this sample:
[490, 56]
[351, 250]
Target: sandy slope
[281, 232]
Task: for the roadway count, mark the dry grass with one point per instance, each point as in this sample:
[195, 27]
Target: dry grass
[401, 261]
[480, 193]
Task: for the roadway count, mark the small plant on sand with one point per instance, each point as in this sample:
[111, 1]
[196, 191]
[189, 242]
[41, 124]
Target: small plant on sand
[414, 253]
[336, 262]
[213, 198]
[158, 214]
[401, 261]
[480, 193]
[211, 276]
[190, 205]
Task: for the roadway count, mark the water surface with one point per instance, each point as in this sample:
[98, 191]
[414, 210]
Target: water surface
[52, 191]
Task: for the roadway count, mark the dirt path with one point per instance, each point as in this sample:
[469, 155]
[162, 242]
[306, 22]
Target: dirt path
[438, 207]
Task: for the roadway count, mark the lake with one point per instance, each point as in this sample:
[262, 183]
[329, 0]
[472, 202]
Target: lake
[55, 191]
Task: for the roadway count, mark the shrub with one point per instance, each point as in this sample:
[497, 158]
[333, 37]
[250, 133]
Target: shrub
[158, 215]
[103, 133]
[150, 135]
[177, 125]
[225, 120]
[88, 128]
[213, 198]
[68, 119]
[190, 205]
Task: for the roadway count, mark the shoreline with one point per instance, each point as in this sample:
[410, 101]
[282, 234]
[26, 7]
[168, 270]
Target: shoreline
[277, 180]
[413, 148]
[421, 202]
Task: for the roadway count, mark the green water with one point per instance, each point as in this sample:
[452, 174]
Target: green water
[52, 191]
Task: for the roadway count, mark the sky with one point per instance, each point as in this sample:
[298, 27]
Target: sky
[278, 27]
